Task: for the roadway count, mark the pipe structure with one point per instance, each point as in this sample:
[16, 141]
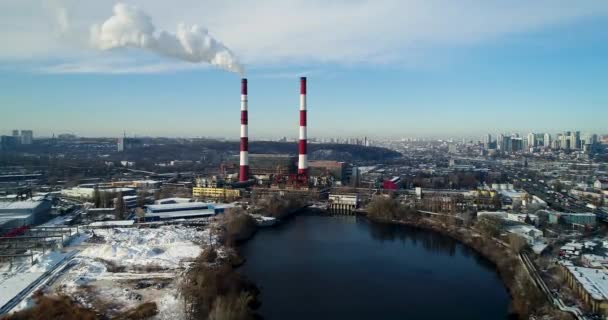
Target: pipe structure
[302, 153]
[244, 155]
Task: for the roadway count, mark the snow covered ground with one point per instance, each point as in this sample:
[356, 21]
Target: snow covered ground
[117, 269]
[164, 247]
[120, 268]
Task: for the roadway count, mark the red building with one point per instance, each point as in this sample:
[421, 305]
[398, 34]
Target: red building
[392, 184]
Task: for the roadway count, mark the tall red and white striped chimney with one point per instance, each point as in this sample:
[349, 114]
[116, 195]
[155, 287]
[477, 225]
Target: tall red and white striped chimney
[302, 154]
[244, 162]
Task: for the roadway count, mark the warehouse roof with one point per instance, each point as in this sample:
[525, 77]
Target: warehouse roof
[178, 206]
[20, 205]
[182, 214]
[113, 223]
[594, 281]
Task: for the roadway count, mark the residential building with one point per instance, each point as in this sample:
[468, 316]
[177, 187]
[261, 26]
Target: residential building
[547, 140]
[27, 136]
[601, 183]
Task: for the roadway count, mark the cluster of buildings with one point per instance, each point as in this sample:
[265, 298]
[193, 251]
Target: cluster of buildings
[125, 143]
[25, 137]
[567, 140]
[365, 141]
[357, 141]
[277, 169]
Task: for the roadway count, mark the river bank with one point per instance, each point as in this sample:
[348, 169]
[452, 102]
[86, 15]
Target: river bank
[526, 299]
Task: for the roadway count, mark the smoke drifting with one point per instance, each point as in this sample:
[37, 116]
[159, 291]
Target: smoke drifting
[131, 27]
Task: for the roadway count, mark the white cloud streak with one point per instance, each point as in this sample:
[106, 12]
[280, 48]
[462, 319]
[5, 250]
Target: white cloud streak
[306, 32]
[116, 67]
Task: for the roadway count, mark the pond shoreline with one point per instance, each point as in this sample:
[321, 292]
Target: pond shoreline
[521, 308]
[425, 227]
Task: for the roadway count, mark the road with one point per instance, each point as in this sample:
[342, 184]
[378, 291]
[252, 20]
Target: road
[576, 312]
[36, 283]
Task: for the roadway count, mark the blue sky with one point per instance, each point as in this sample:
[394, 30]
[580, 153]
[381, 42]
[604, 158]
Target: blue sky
[437, 70]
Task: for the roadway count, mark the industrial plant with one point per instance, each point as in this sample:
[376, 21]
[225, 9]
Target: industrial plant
[278, 168]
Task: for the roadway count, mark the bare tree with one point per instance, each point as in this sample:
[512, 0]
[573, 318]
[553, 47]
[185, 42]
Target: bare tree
[517, 243]
[120, 206]
[141, 214]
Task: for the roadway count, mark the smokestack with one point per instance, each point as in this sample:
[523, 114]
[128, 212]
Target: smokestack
[244, 163]
[302, 154]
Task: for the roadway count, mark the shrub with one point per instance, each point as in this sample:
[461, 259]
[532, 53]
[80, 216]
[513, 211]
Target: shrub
[208, 255]
[239, 226]
[213, 289]
[60, 307]
[233, 307]
[385, 208]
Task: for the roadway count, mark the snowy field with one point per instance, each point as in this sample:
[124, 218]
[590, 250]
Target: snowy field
[117, 269]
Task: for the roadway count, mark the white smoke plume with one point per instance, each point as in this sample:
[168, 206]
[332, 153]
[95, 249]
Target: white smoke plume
[131, 27]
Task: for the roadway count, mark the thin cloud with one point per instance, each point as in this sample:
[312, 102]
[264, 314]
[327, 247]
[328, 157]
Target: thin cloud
[115, 66]
[300, 32]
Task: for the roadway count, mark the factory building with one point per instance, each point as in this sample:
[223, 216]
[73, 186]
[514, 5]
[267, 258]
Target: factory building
[173, 200]
[19, 213]
[263, 164]
[142, 184]
[345, 203]
[189, 210]
[338, 170]
[590, 284]
[577, 219]
[12, 178]
[87, 192]
[392, 184]
[130, 202]
[215, 193]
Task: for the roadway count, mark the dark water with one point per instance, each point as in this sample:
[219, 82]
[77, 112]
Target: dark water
[318, 267]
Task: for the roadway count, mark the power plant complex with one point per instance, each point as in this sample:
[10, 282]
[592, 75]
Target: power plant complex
[301, 177]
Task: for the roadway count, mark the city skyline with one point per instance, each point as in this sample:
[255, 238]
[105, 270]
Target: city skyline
[432, 74]
[294, 138]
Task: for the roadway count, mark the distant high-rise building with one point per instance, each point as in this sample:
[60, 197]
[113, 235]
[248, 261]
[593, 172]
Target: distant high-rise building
[15, 133]
[547, 140]
[532, 140]
[507, 145]
[452, 148]
[27, 136]
[487, 141]
[517, 144]
[500, 142]
[128, 143]
[575, 140]
[565, 140]
[8, 142]
[593, 139]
